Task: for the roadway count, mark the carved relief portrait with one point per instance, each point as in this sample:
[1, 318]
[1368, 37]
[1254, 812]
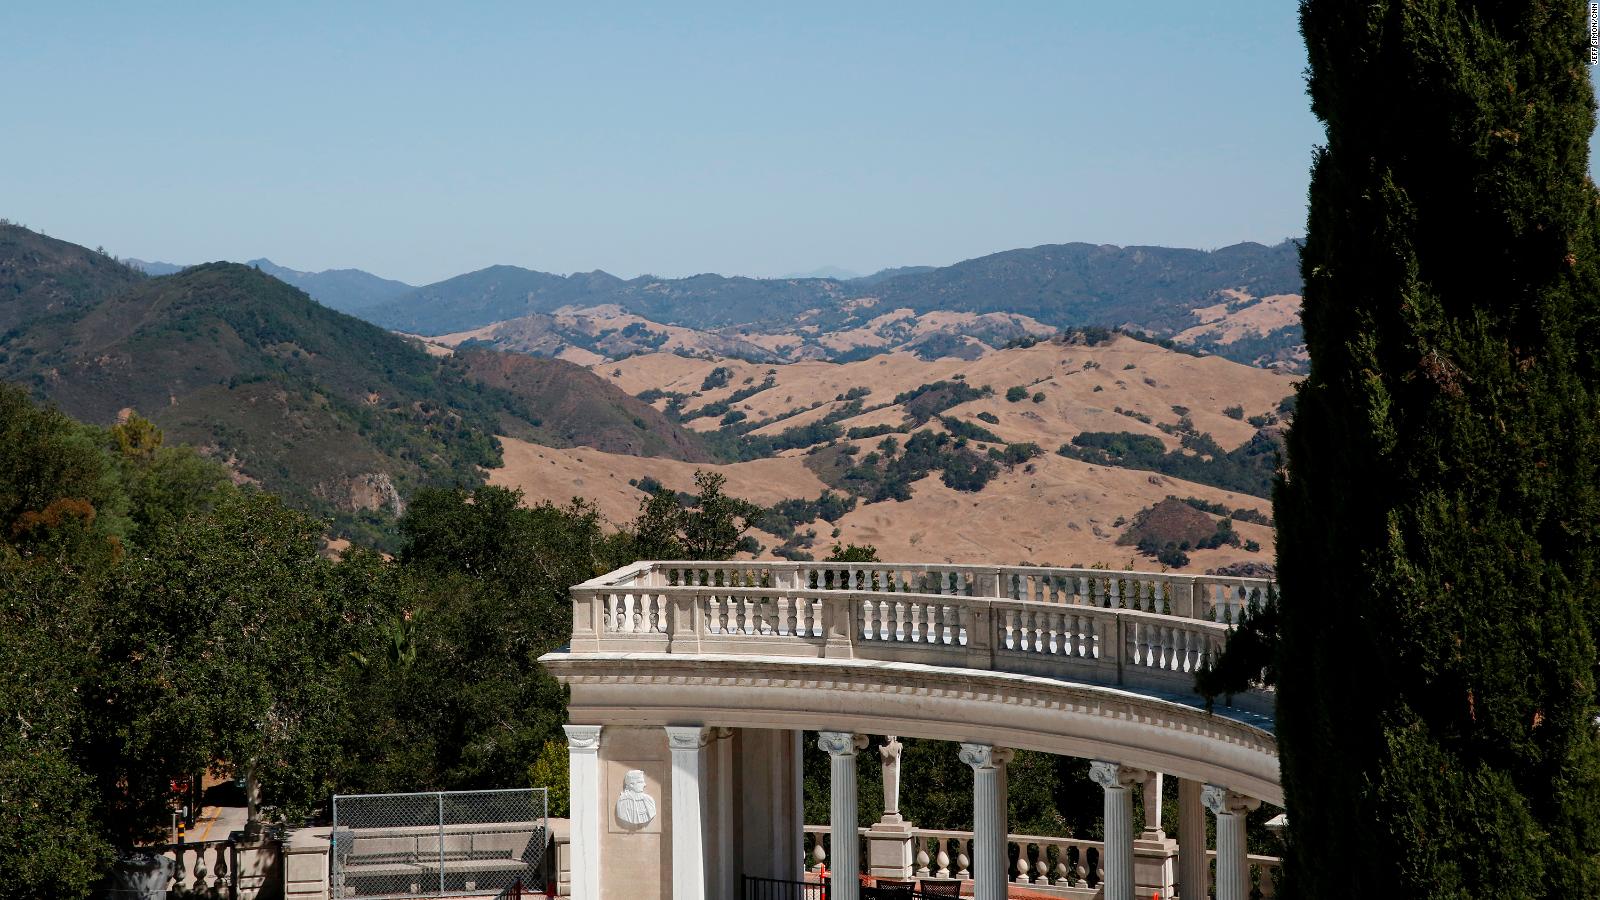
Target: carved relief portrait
[634, 806]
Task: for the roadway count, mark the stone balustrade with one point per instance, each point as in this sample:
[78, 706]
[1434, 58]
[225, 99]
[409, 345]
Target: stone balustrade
[1145, 630]
[202, 868]
[1066, 867]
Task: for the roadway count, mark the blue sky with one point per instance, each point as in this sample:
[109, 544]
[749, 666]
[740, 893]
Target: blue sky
[423, 140]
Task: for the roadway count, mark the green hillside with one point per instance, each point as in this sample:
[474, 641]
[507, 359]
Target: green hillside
[564, 405]
[336, 414]
[41, 276]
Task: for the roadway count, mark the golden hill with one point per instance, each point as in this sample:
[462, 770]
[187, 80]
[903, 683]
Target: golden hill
[1051, 510]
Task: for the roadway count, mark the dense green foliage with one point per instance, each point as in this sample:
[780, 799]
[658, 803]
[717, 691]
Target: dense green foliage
[1248, 468]
[888, 473]
[1438, 739]
[925, 401]
[156, 622]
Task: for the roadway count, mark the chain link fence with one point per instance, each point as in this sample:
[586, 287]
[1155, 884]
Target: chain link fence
[446, 844]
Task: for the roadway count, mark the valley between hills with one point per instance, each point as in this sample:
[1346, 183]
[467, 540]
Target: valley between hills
[1066, 404]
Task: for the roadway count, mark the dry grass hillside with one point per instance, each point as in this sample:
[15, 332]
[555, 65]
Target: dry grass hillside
[1083, 388]
[1050, 509]
[1064, 512]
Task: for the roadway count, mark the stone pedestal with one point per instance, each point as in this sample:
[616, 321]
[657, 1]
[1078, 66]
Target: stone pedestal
[305, 865]
[258, 865]
[1155, 864]
[889, 850]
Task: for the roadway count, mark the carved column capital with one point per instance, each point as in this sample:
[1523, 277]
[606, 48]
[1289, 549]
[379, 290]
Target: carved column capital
[1114, 775]
[1223, 802]
[720, 733]
[687, 737]
[583, 737]
[841, 743]
[986, 756]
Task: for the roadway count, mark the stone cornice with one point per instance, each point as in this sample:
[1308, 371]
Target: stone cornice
[1088, 721]
[906, 680]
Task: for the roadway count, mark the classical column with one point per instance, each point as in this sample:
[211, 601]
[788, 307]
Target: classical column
[726, 881]
[1193, 868]
[841, 747]
[688, 744]
[991, 835]
[583, 787]
[1233, 867]
[1118, 781]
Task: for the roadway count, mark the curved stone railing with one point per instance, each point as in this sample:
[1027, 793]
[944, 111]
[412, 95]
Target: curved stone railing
[1062, 866]
[1142, 630]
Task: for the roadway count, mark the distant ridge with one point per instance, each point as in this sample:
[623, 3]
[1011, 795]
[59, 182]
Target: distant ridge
[1153, 289]
[155, 268]
[347, 290]
[834, 272]
[886, 274]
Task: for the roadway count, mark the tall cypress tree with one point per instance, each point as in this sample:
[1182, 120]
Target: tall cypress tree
[1439, 519]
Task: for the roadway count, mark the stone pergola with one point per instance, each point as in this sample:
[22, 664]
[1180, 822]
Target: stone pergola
[691, 684]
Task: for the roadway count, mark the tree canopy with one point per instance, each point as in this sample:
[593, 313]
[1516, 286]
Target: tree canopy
[1434, 642]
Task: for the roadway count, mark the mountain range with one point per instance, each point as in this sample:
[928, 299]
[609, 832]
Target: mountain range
[1161, 291]
[348, 418]
[346, 290]
[333, 413]
[1153, 288]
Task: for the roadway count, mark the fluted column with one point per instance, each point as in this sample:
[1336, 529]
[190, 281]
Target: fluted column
[1193, 870]
[583, 792]
[1233, 866]
[1118, 781]
[688, 745]
[841, 747]
[725, 885]
[990, 830]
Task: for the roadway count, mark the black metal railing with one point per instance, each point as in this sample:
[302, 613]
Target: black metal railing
[779, 889]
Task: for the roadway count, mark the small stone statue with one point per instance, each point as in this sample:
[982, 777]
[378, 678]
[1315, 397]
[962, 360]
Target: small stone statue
[891, 779]
[634, 806]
